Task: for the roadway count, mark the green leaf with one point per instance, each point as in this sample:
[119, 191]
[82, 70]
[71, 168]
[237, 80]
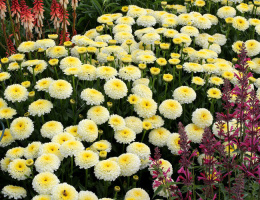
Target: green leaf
[158, 190]
[97, 6]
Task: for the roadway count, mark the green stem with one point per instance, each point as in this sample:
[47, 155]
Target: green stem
[86, 181]
[74, 89]
[8, 124]
[71, 165]
[143, 135]
[56, 72]
[106, 187]
[128, 182]
[42, 119]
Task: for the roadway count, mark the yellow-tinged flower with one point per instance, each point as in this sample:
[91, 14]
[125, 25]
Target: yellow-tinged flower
[82, 50]
[197, 80]
[147, 125]
[133, 99]
[91, 50]
[124, 9]
[177, 40]
[109, 104]
[53, 62]
[31, 94]
[103, 154]
[200, 3]
[53, 36]
[4, 60]
[167, 77]
[229, 20]
[161, 61]
[174, 61]
[29, 162]
[228, 75]
[165, 46]
[155, 70]
[26, 84]
[175, 55]
[142, 66]
[214, 93]
[7, 113]
[179, 67]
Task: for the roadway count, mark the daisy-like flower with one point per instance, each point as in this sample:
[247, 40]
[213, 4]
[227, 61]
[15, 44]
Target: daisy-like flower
[16, 93]
[64, 191]
[70, 62]
[216, 80]
[129, 164]
[44, 43]
[146, 21]
[18, 169]
[184, 94]
[125, 20]
[87, 195]
[7, 138]
[101, 145]
[40, 107]
[7, 113]
[107, 170]
[173, 143]
[14, 153]
[134, 123]
[14, 192]
[88, 130]
[117, 122]
[51, 128]
[87, 72]
[202, 117]
[202, 22]
[47, 163]
[170, 109]
[123, 36]
[150, 38]
[142, 91]
[21, 128]
[214, 93]
[130, 73]
[43, 84]
[140, 149]
[115, 88]
[44, 182]
[158, 137]
[197, 80]
[122, 27]
[92, 96]
[125, 135]
[56, 52]
[192, 67]
[32, 150]
[240, 23]
[4, 76]
[146, 107]
[98, 114]
[60, 89]
[70, 148]
[136, 12]
[194, 133]
[106, 72]
[138, 194]
[28, 46]
[51, 148]
[86, 159]
[252, 47]
[226, 11]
